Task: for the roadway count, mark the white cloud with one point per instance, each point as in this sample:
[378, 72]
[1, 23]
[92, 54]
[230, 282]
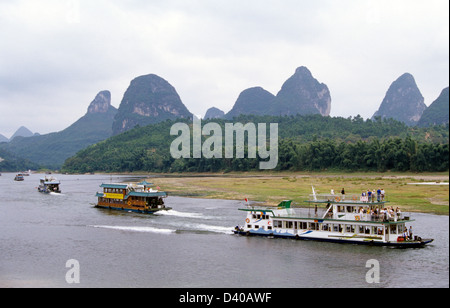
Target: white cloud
[59, 54]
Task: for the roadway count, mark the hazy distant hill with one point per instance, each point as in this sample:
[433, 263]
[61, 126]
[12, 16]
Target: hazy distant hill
[149, 99]
[303, 94]
[214, 113]
[51, 150]
[300, 94]
[438, 112]
[403, 101]
[3, 138]
[22, 132]
[254, 101]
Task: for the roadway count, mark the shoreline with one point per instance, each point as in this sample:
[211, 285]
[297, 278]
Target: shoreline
[271, 189]
[406, 190]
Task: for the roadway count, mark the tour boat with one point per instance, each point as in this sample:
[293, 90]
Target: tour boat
[48, 185]
[332, 218]
[139, 198]
[19, 177]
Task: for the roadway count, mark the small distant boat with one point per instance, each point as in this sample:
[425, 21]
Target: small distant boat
[49, 185]
[138, 198]
[19, 177]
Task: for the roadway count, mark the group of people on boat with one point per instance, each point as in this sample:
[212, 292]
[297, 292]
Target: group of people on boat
[366, 196]
[385, 214]
[407, 234]
[369, 195]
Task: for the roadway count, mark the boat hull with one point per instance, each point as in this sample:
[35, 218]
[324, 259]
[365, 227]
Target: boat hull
[340, 240]
[134, 210]
[46, 191]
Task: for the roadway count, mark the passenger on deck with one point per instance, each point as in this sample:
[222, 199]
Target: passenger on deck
[405, 233]
[398, 212]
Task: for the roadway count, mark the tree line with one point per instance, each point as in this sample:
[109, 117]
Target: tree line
[306, 143]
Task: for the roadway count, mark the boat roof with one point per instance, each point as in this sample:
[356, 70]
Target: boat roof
[145, 183]
[146, 194]
[349, 202]
[120, 186]
[50, 180]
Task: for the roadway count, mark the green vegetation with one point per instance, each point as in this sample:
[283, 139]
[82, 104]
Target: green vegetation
[10, 162]
[306, 143]
[402, 189]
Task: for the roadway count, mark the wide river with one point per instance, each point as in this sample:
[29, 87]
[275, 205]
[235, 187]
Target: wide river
[191, 246]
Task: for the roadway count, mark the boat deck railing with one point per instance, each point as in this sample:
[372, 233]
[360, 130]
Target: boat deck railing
[320, 212]
[348, 198]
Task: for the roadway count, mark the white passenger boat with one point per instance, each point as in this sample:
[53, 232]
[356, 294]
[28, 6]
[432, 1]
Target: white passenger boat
[48, 185]
[332, 218]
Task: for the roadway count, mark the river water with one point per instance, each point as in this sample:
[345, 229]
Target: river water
[191, 246]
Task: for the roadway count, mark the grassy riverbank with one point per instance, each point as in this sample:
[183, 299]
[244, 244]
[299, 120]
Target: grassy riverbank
[410, 192]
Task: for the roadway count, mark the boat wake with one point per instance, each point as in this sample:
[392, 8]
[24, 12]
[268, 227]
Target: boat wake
[207, 229]
[181, 214]
[137, 229]
[187, 228]
[56, 194]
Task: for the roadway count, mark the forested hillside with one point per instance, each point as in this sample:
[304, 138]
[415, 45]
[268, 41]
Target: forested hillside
[9, 162]
[305, 143]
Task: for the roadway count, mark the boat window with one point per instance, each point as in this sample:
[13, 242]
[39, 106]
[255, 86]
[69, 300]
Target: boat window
[288, 224]
[325, 227]
[350, 228]
[314, 226]
[361, 229]
[393, 229]
[256, 227]
[335, 228]
[379, 230]
[277, 223]
[254, 216]
[249, 226]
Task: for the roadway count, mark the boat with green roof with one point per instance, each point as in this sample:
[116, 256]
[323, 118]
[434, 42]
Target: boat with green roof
[138, 198]
[332, 218]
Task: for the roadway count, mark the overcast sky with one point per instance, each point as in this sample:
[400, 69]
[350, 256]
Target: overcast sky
[56, 55]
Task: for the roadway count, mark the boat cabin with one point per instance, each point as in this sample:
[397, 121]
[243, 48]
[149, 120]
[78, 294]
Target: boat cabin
[139, 197]
[49, 185]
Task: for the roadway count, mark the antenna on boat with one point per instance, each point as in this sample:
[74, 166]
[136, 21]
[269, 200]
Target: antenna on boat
[314, 193]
